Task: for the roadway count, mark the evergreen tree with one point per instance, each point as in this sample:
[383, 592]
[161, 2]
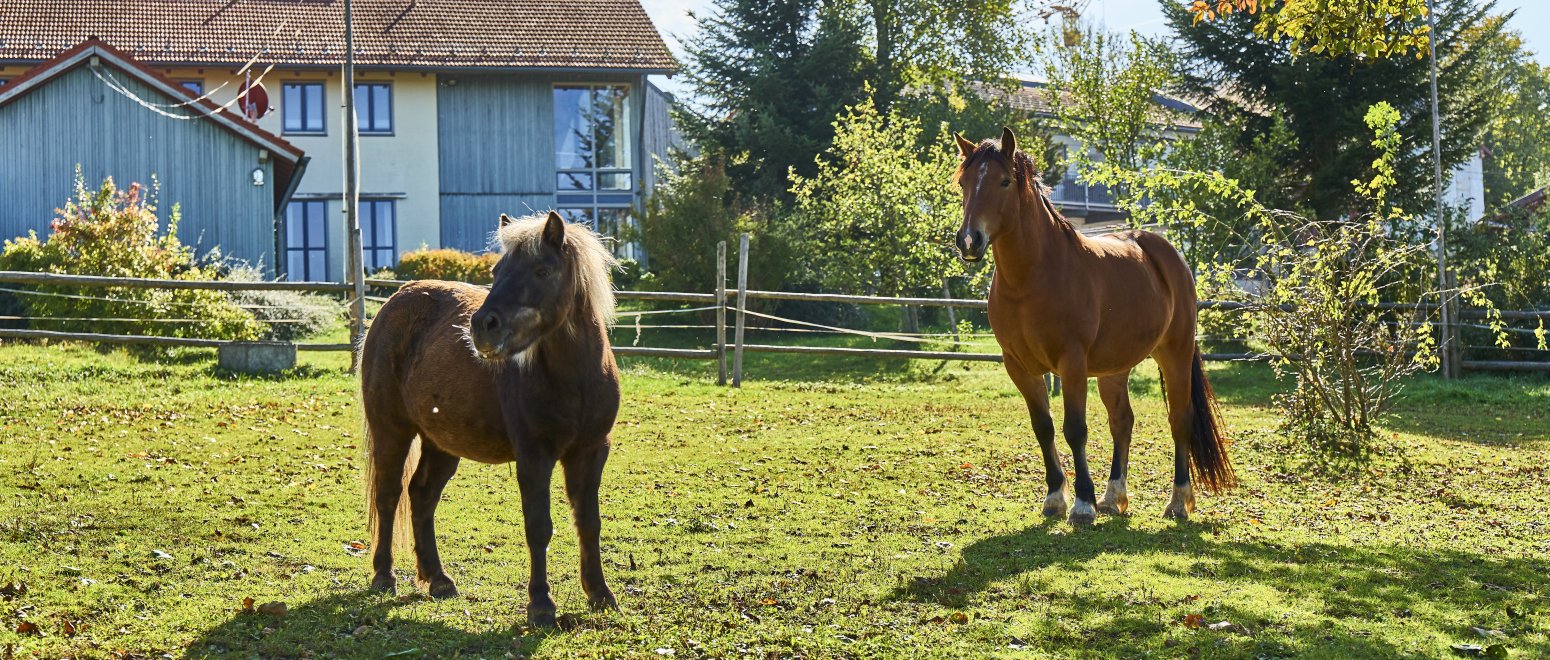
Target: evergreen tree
[769, 77]
[1253, 80]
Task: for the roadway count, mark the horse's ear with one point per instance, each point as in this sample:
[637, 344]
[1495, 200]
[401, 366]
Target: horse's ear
[965, 147]
[554, 231]
[506, 220]
[1008, 142]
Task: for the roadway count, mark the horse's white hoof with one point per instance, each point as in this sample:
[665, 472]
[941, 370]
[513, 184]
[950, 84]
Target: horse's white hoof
[1115, 502]
[1083, 514]
[1055, 504]
[1182, 504]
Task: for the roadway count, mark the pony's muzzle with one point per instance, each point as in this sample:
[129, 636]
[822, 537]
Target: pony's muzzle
[497, 335]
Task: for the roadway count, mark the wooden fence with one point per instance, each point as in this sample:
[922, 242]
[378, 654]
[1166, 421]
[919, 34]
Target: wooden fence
[719, 301]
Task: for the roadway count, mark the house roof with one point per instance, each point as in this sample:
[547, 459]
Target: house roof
[289, 160]
[502, 34]
[1033, 96]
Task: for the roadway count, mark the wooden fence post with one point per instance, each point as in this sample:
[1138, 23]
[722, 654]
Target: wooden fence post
[742, 306]
[721, 313]
[952, 318]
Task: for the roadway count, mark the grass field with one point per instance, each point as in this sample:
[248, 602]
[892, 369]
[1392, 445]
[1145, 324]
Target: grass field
[830, 508]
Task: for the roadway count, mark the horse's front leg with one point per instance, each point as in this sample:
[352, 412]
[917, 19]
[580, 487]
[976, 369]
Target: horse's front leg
[583, 476]
[1035, 394]
[1073, 372]
[534, 469]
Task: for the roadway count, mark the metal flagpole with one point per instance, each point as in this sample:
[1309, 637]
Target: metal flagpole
[1445, 323]
[353, 258]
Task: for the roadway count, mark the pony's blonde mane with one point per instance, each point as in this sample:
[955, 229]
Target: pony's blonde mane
[587, 260]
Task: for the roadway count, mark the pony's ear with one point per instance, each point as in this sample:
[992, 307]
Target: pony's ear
[1008, 142]
[965, 147]
[554, 231]
[506, 220]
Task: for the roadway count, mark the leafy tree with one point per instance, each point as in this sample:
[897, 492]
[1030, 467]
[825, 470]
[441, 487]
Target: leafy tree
[1104, 92]
[1252, 79]
[1517, 139]
[1364, 28]
[770, 77]
[926, 45]
[879, 215]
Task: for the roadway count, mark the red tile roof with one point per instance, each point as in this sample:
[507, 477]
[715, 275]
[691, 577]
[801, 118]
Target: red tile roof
[545, 34]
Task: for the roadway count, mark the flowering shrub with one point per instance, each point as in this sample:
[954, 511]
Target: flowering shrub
[115, 232]
[447, 264]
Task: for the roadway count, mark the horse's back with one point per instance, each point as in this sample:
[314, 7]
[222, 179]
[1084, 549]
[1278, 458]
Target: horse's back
[418, 369]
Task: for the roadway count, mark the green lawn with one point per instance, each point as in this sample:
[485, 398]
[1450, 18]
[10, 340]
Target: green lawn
[828, 508]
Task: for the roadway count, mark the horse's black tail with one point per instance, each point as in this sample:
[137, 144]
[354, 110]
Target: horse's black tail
[1208, 448]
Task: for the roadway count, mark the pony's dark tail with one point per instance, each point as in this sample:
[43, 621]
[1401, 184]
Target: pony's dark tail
[1208, 449]
[403, 534]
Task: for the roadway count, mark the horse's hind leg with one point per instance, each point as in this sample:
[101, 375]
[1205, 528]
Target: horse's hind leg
[1174, 364]
[1035, 394]
[1114, 390]
[390, 444]
[583, 476]
[436, 468]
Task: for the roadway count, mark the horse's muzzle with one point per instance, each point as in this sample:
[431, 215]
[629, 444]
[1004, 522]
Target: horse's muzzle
[971, 244]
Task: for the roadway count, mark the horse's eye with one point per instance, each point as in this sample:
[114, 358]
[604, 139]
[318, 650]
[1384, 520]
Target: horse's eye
[1006, 183]
[542, 272]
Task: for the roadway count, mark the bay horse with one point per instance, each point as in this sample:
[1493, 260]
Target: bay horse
[1088, 307]
[520, 372]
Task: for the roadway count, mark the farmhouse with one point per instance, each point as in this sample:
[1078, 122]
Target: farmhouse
[94, 107]
[467, 109]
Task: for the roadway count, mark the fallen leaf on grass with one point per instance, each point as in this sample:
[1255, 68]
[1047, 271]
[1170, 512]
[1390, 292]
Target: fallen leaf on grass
[355, 548]
[247, 606]
[274, 609]
[1194, 621]
[29, 628]
[69, 628]
[1487, 633]
[161, 554]
[959, 618]
[1476, 650]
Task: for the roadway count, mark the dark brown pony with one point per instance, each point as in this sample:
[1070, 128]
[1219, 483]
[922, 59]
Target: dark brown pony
[522, 372]
[1088, 307]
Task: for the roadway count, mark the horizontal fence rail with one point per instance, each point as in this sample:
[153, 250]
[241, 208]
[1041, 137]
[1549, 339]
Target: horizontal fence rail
[723, 300]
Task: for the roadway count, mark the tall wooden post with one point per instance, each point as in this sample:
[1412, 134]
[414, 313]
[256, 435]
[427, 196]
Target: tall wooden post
[742, 305]
[952, 316]
[721, 313]
[354, 260]
[1446, 344]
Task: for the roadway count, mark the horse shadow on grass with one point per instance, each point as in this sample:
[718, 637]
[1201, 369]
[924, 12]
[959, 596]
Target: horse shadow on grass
[1441, 592]
[366, 624]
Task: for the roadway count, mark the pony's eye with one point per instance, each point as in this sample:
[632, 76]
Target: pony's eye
[1006, 183]
[542, 272]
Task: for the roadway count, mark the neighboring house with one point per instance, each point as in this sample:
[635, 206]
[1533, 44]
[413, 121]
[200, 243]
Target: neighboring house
[1088, 206]
[94, 107]
[467, 108]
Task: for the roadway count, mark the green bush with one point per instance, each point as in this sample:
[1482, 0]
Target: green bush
[286, 315]
[694, 208]
[447, 264]
[115, 232]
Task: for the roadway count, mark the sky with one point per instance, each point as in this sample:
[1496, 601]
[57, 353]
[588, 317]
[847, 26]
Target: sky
[672, 19]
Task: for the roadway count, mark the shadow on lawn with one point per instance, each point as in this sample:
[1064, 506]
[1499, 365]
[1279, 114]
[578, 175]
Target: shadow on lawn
[327, 627]
[1399, 585]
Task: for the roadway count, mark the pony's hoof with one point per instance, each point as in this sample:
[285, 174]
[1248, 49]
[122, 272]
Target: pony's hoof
[442, 587]
[1082, 514]
[540, 618]
[602, 602]
[384, 584]
[1180, 514]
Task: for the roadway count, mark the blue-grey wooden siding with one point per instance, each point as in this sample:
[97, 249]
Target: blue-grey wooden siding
[496, 144]
[201, 167]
